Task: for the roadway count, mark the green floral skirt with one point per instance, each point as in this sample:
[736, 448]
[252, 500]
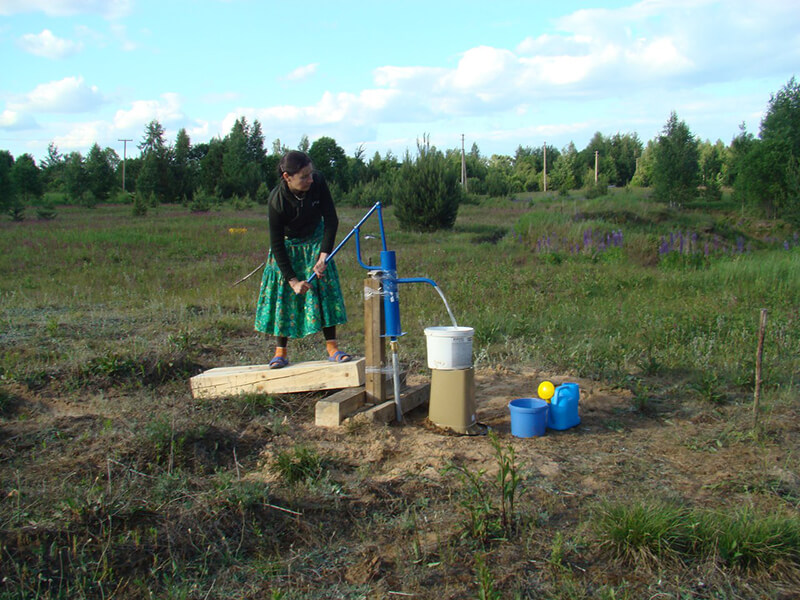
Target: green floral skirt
[281, 312]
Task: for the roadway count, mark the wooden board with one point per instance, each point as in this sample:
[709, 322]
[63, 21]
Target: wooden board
[387, 411]
[260, 379]
[331, 411]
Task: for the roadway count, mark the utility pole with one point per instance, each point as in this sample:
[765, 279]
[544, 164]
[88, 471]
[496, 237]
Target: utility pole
[544, 170]
[124, 157]
[463, 166]
[596, 152]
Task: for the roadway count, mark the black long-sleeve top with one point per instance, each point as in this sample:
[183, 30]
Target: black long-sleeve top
[294, 218]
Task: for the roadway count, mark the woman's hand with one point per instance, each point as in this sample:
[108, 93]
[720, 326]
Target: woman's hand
[299, 287]
[321, 265]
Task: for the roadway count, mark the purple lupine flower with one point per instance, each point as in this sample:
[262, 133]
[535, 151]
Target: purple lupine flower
[705, 250]
[740, 245]
[786, 245]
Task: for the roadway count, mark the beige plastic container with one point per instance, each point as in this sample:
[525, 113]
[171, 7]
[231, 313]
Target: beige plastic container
[452, 401]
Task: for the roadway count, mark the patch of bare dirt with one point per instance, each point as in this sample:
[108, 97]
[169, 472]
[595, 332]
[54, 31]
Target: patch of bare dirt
[616, 451]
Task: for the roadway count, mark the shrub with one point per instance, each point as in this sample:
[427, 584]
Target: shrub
[202, 201]
[124, 197]
[88, 199]
[597, 190]
[139, 206]
[262, 194]
[241, 202]
[46, 211]
[17, 212]
[368, 193]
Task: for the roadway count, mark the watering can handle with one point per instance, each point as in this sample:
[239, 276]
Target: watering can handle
[556, 394]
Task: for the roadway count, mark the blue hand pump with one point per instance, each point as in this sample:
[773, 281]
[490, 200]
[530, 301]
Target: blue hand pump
[387, 273]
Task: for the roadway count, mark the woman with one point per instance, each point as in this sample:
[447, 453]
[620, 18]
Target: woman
[302, 229]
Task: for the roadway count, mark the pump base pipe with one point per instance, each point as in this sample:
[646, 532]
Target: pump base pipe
[396, 380]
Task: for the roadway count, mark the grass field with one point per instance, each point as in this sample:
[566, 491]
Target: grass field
[117, 484]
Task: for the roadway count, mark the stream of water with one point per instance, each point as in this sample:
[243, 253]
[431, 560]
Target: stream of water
[446, 305]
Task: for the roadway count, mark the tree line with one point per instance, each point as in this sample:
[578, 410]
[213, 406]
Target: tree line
[763, 171]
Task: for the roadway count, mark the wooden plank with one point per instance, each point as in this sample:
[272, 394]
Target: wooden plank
[331, 411]
[387, 412]
[374, 345]
[260, 379]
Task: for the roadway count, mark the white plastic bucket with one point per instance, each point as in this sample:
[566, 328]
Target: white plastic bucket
[449, 347]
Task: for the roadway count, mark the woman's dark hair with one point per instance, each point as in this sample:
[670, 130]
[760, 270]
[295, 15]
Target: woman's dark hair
[292, 162]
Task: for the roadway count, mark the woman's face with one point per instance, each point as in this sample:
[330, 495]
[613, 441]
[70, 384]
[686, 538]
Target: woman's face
[300, 181]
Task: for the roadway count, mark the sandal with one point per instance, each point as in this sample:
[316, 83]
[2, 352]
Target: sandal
[278, 362]
[340, 357]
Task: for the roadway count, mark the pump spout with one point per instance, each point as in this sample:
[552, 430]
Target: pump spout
[417, 280]
[437, 288]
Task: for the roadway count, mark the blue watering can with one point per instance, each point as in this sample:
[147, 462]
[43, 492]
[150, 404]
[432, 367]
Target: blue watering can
[563, 413]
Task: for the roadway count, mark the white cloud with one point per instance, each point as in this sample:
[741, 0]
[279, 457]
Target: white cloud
[47, 45]
[659, 55]
[11, 120]
[303, 72]
[651, 49]
[69, 95]
[61, 8]
[129, 124]
[331, 109]
[167, 110]
[84, 135]
[483, 69]
[200, 131]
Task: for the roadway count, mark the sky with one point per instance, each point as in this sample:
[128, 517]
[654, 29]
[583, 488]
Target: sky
[380, 75]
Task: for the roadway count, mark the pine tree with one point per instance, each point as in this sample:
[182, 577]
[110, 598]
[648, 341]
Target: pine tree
[154, 177]
[7, 192]
[182, 184]
[100, 173]
[428, 194]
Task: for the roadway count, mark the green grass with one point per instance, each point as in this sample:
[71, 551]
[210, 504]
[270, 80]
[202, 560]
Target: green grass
[742, 538]
[174, 271]
[95, 289]
[299, 465]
